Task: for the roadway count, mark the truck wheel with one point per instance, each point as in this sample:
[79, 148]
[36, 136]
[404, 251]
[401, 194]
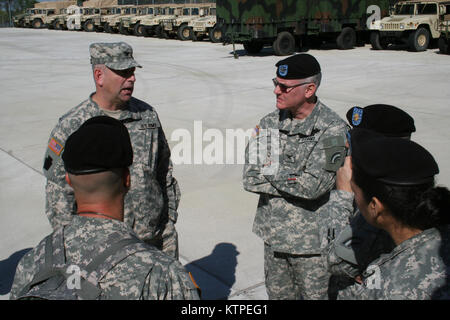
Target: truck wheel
[346, 39]
[377, 42]
[123, 30]
[284, 44]
[443, 45]
[419, 40]
[185, 32]
[139, 30]
[253, 46]
[37, 23]
[57, 25]
[88, 26]
[215, 34]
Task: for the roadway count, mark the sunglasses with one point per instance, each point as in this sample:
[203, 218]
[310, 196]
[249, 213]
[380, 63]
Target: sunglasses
[285, 88]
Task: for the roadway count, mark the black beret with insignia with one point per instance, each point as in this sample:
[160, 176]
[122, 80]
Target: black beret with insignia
[382, 118]
[299, 66]
[100, 144]
[394, 161]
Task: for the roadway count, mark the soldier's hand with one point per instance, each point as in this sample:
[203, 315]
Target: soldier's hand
[344, 175]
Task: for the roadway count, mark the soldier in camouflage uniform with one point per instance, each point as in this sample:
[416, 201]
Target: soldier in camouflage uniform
[97, 157]
[294, 178]
[151, 205]
[357, 242]
[393, 183]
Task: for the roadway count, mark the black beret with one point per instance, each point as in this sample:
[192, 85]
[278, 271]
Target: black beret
[393, 161]
[100, 144]
[385, 119]
[299, 66]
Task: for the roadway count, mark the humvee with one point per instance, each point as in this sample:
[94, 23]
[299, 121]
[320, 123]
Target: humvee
[88, 17]
[57, 21]
[179, 26]
[205, 27]
[111, 13]
[412, 22]
[152, 25]
[39, 18]
[19, 20]
[114, 22]
[133, 24]
[444, 38]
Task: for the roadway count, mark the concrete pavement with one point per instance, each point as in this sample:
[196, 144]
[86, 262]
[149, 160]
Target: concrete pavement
[46, 72]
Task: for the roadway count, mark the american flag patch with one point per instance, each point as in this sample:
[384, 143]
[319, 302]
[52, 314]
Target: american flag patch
[55, 146]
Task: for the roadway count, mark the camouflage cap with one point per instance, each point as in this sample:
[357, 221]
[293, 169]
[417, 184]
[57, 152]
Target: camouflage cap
[116, 55]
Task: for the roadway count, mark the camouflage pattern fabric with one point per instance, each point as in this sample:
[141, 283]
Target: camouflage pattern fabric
[164, 278]
[417, 269]
[152, 201]
[291, 198]
[117, 56]
[294, 277]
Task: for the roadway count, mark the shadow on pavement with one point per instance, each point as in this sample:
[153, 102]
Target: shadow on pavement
[8, 270]
[215, 274]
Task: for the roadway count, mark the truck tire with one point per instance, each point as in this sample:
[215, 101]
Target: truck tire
[215, 34]
[377, 42]
[284, 44]
[185, 32]
[419, 40]
[57, 25]
[123, 30]
[37, 24]
[444, 46]
[89, 26]
[346, 39]
[138, 30]
[253, 46]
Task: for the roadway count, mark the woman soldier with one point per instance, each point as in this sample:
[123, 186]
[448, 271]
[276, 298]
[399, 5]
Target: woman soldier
[393, 183]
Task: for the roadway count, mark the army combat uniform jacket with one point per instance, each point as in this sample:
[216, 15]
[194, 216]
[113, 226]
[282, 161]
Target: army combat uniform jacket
[310, 152]
[417, 269]
[144, 275]
[152, 201]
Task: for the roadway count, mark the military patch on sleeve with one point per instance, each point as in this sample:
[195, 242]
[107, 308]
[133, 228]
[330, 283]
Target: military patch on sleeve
[55, 146]
[255, 132]
[335, 152]
[48, 163]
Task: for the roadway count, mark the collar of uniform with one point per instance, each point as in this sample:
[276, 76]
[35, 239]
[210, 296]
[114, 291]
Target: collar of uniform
[305, 127]
[422, 239]
[107, 226]
[126, 113]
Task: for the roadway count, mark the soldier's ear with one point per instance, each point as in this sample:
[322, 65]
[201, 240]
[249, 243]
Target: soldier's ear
[99, 76]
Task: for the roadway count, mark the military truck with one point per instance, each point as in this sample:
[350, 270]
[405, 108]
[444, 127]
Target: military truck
[88, 17]
[133, 24]
[114, 22]
[179, 26]
[19, 20]
[412, 22]
[444, 38]
[205, 27]
[152, 25]
[104, 19]
[288, 24]
[45, 13]
[57, 21]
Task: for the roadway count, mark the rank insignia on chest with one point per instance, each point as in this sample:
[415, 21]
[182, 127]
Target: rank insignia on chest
[357, 116]
[55, 146]
[145, 126]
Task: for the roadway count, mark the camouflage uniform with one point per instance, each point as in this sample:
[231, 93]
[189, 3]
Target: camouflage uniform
[291, 199]
[417, 269]
[162, 277]
[151, 203]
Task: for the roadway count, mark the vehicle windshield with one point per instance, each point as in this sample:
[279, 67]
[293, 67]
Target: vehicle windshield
[427, 8]
[404, 9]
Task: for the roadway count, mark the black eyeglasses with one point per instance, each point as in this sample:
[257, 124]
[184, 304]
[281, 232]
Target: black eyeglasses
[285, 88]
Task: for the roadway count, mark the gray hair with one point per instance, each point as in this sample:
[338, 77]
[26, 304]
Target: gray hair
[316, 79]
